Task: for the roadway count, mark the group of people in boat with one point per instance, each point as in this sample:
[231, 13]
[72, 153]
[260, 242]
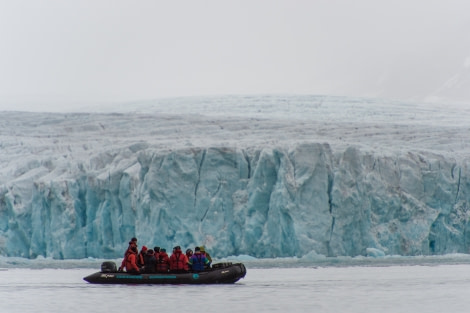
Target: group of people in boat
[156, 260]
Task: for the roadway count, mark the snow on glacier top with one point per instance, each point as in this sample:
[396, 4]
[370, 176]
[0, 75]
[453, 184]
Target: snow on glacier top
[234, 121]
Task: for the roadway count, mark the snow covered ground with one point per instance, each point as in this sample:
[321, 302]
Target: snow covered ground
[236, 121]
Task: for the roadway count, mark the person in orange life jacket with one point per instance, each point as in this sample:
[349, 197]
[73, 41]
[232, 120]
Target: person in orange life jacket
[163, 262]
[140, 257]
[130, 264]
[189, 253]
[198, 261]
[207, 255]
[150, 262]
[178, 261]
[132, 243]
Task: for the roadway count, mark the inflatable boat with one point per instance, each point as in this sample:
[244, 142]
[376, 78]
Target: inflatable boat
[220, 273]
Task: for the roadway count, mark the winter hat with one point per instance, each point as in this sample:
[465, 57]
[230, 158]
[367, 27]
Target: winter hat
[197, 249]
[144, 248]
[202, 249]
[156, 249]
[150, 252]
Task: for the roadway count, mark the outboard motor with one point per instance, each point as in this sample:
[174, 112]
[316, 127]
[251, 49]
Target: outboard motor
[108, 267]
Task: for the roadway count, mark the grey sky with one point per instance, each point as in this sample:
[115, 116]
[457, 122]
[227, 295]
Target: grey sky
[120, 50]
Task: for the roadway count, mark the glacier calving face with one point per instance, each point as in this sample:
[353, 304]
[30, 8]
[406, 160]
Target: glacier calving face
[73, 188]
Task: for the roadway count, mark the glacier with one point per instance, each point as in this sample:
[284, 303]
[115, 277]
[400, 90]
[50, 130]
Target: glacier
[267, 176]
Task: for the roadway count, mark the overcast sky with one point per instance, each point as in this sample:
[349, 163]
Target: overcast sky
[75, 52]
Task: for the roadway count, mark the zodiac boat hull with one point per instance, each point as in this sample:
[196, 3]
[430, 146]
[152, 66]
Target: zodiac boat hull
[221, 273]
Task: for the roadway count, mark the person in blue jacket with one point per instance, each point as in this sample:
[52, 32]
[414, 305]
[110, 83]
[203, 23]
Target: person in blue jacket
[198, 260]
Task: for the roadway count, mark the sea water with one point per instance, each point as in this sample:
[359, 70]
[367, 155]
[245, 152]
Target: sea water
[390, 288]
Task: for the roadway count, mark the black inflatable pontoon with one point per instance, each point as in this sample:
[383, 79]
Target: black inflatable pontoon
[221, 273]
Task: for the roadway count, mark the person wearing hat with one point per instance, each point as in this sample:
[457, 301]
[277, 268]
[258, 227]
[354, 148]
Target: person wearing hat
[189, 253]
[156, 251]
[198, 261]
[132, 243]
[163, 261]
[178, 261]
[150, 262]
[130, 261]
[207, 255]
[140, 257]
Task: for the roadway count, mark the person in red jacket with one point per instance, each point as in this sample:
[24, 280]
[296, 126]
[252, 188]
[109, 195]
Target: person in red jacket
[141, 257]
[156, 250]
[132, 243]
[163, 261]
[130, 261]
[178, 261]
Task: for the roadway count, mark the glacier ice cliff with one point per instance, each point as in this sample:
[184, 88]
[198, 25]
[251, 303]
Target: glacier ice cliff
[81, 185]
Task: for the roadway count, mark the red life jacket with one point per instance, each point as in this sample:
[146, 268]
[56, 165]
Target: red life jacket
[123, 263]
[130, 262]
[179, 261]
[163, 262]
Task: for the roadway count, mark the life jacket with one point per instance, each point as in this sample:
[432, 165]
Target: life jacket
[178, 262]
[131, 266]
[163, 262]
[123, 263]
